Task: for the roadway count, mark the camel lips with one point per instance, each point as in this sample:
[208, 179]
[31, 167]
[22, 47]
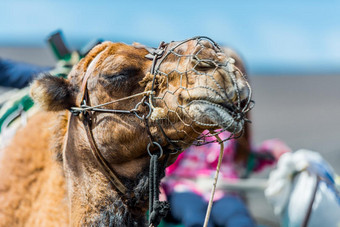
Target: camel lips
[211, 115]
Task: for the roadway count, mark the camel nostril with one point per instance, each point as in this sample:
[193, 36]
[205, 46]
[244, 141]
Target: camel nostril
[203, 64]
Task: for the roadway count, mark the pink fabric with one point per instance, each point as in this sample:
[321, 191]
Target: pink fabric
[202, 161]
[274, 146]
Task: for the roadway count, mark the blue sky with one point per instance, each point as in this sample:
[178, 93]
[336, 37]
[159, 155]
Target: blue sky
[273, 37]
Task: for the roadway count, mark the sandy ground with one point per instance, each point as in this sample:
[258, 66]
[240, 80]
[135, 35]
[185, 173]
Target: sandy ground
[303, 111]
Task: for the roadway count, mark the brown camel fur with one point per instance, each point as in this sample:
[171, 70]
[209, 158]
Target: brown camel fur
[48, 174]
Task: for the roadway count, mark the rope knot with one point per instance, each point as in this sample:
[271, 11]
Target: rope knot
[160, 210]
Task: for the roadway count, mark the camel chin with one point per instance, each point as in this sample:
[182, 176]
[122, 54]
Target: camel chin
[212, 115]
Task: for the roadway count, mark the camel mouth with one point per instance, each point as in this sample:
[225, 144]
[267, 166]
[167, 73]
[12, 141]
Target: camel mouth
[212, 114]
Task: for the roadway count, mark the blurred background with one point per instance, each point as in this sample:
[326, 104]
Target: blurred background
[291, 50]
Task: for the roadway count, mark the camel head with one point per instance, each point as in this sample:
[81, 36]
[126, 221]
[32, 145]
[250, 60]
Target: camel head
[171, 99]
[199, 86]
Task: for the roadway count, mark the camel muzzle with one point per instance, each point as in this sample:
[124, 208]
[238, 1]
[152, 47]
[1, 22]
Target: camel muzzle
[212, 93]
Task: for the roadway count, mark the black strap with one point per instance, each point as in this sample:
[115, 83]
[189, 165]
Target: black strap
[158, 209]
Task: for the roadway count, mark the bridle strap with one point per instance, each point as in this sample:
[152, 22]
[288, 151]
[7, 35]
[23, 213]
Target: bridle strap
[107, 171]
[87, 121]
[86, 77]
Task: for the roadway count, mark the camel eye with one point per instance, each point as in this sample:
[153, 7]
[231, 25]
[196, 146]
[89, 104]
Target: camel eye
[123, 74]
[117, 77]
[121, 78]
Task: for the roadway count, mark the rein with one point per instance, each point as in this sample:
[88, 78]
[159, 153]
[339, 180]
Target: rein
[212, 194]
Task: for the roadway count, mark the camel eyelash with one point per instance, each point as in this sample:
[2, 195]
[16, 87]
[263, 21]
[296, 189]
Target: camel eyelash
[116, 80]
[117, 77]
[125, 73]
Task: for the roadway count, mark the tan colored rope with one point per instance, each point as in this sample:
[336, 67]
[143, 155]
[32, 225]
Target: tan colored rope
[207, 215]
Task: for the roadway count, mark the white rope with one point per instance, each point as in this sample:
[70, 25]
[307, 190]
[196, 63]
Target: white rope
[207, 215]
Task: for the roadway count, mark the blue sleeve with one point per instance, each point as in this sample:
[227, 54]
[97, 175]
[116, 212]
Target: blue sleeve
[18, 74]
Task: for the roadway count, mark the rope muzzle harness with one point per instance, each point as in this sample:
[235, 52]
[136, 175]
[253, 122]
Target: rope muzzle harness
[150, 102]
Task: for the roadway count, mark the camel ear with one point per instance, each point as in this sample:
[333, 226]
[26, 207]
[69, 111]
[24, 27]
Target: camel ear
[53, 93]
